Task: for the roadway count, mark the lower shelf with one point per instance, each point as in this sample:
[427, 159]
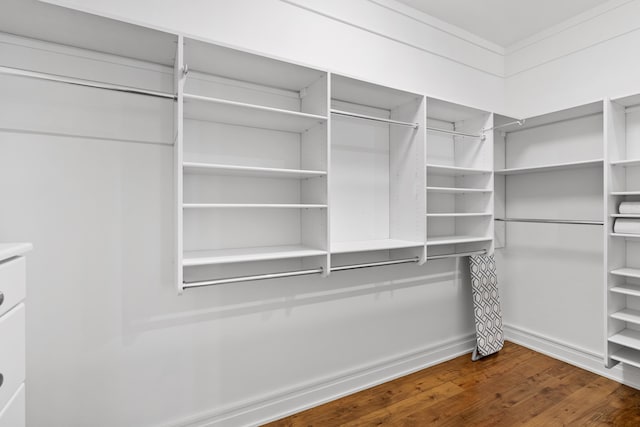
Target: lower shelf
[454, 240]
[627, 315]
[230, 256]
[627, 272]
[626, 289]
[628, 356]
[372, 245]
[628, 338]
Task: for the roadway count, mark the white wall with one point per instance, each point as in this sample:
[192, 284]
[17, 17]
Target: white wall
[109, 342]
[590, 57]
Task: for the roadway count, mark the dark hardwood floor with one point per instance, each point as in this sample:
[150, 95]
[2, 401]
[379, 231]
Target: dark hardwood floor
[514, 387]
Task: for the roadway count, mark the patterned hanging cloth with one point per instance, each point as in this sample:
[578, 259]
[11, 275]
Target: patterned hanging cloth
[486, 306]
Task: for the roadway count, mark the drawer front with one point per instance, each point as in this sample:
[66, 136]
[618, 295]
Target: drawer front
[14, 414]
[12, 352]
[12, 283]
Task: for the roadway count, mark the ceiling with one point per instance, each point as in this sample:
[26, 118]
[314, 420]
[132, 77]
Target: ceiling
[503, 22]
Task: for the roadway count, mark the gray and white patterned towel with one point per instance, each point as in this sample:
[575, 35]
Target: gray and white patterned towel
[486, 306]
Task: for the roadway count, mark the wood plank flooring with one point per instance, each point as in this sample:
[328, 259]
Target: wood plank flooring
[515, 387]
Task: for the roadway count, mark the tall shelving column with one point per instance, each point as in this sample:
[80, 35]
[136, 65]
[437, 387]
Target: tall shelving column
[622, 250]
[377, 172]
[251, 165]
[459, 179]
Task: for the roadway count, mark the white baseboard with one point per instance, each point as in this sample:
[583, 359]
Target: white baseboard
[574, 356]
[282, 404]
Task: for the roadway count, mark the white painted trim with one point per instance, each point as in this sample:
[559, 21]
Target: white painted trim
[443, 26]
[574, 21]
[284, 403]
[403, 42]
[570, 354]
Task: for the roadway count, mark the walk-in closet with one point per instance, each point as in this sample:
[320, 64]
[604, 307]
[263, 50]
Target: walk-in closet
[327, 213]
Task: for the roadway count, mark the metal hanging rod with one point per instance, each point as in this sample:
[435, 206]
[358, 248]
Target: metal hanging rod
[551, 221]
[456, 133]
[516, 122]
[373, 118]
[632, 108]
[84, 83]
[375, 264]
[457, 255]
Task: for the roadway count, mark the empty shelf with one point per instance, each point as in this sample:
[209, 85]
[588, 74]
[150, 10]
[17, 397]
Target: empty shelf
[372, 245]
[452, 190]
[625, 235]
[628, 356]
[626, 272]
[238, 113]
[627, 315]
[454, 170]
[250, 171]
[228, 256]
[458, 215]
[454, 240]
[551, 167]
[626, 289]
[625, 193]
[251, 205]
[629, 162]
[628, 338]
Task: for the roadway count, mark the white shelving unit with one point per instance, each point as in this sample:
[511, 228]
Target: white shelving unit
[459, 179]
[622, 251]
[251, 163]
[377, 200]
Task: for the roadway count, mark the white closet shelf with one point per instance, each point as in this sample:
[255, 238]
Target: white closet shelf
[454, 170]
[624, 163]
[628, 338]
[627, 315]
[628, 356]
[372, 245]
[453, 190]
[454, 240]
[458, 215]
[252, 205]
[229, 256]
[627, 272]
[248, 171]
[626, 289]
[625, 193]
[551, 167]
[625, 215]
[625, 235]
[238, 113]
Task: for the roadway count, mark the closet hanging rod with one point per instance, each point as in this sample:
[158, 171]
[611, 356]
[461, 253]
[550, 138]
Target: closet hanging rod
[197, 284]
[632, 108]
[456, 133]
[82, 82]
[515, 122]
[457, 255]
[551, 221]
[373, 118]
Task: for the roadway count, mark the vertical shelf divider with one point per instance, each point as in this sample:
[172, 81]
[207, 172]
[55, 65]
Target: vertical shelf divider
[178, 108]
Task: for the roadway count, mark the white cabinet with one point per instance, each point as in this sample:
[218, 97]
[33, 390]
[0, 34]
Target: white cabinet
[12, 334]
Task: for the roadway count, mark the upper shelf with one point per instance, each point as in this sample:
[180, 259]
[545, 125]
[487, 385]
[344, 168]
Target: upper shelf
[248, 171]
[454, 240]
[624, 163]
[454, 170]
[454, 190]
[229, 256]
[238, 113]
[359, 92]
[372, 245]
[551, 167]
[252, 206]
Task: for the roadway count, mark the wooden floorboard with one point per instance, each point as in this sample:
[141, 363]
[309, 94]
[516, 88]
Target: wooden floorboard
[514, 387]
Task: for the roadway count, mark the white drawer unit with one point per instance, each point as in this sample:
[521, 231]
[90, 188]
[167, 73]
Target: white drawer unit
[12, 283]
[14, 414]
[12, 333]
[12, 356]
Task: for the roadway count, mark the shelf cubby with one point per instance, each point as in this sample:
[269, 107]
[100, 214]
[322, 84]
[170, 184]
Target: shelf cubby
[377, 169]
